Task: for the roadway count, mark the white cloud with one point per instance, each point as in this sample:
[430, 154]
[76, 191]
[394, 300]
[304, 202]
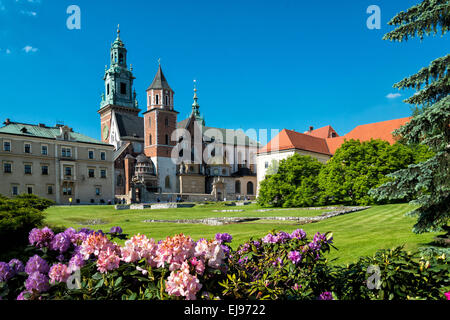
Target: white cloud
[8, 51]
[29, 49]
[393, 95]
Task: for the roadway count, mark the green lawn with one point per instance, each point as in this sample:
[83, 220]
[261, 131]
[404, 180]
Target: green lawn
[355, 234]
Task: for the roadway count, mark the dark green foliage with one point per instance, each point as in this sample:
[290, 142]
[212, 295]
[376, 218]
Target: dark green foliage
[295, 183]
[428, 181]
[402, 276]
[358, 167]
[17, 217]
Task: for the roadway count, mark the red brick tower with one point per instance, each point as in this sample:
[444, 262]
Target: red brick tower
[160, 122]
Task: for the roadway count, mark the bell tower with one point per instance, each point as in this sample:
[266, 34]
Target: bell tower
[160, 121]
[119, 95]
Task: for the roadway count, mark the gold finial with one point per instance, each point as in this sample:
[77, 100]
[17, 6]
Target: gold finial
[131, 67]
[159, 61]
[195, 89]
[118, 30]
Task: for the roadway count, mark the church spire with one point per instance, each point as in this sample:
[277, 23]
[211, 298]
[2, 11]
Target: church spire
[196, 106]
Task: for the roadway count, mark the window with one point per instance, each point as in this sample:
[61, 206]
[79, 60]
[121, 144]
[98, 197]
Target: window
[123, 88]
[167, 100]
[266, 165]
[119, 180]
[150, 140]
[66, 152]
[166, 122]
[30, 190]
[68, 171]
[67, 191]
[7, 167]
[28, 169]
[66, 136]
[156, 99]
[250, 188]
[91, 154]
[49, 189]
[167, 139]
[103, 156]
[103, 173]
[7, 146]
[237, 187]
[44, 170]
[120, 58]
[98, 191]
[107, 89]
[91, 173]
[44, 150]
[224, 171]
[149, 122]
[15, 190]
[167, 182]
[27, 148]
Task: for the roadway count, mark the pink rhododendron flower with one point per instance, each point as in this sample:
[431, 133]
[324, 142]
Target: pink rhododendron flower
[201, 248]
[447, 294]
[96, 243]
[198, 264]
[215, 254]
[108, 260]
[174, 251]
[182, 283]
[139, 247]
[59, 273]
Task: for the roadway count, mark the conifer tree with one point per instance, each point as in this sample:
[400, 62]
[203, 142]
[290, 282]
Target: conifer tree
[429, 181]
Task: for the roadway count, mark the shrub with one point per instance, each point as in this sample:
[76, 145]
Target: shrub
[402, 276]
[279, 266]
[17, 217]
[88, 265]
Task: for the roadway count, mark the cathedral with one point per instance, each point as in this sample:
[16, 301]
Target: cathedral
[157, 157]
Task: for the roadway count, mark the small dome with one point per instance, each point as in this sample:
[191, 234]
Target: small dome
[142, 159]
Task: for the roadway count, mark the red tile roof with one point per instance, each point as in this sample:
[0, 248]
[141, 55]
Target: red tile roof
[379, 130]
[288, 139]
[324, 132]
[318, 141]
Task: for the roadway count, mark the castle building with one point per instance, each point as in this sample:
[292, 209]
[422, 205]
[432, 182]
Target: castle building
[55, 163]
[156, 156]
[321, 143]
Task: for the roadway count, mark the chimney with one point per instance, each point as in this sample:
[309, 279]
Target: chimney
[41, 125]
[7, 121]
[311, 128]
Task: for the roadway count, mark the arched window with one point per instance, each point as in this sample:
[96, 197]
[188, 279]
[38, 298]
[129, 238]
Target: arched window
[181, 153]
[107, 89]
[250, 188]
[150, 140]
[167, 182]
[120, 58]
[237, 187]
[167, 139]
[167, 100]
[156, 99]
[149, 122]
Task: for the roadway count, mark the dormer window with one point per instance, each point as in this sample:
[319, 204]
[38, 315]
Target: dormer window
[66, 136]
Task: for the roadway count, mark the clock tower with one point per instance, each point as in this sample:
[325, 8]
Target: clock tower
[119, 96]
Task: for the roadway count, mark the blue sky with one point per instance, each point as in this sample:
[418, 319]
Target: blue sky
[259, 64]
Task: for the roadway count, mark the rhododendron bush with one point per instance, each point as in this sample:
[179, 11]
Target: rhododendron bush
[90, 265]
